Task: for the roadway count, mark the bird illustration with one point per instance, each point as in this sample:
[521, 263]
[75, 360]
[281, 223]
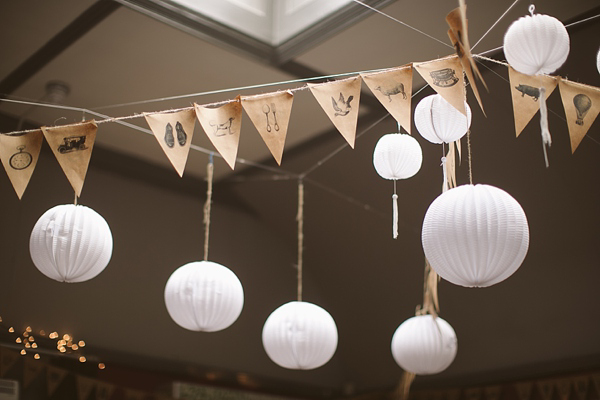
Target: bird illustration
[398, 89]
[344, 108]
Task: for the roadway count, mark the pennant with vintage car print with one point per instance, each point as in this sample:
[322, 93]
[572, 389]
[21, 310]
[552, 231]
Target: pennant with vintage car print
[582, 105]
[19, 155]
[445, 76]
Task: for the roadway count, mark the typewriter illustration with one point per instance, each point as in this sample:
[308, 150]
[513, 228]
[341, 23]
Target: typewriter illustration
[444, 77]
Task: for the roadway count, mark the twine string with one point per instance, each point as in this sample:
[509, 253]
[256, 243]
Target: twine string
[300, 219]
[75, 201]
[207, 204]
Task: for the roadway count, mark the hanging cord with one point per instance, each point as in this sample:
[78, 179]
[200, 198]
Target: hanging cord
[300, 219]
[469, 156]
[75, 201]
[209, 179]
[445, 172]
[395, 212]
[546, 138]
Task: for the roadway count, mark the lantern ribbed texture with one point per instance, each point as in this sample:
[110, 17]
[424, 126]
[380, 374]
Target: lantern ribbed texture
[300, 335]
[439, 122]
[424, 345]
[397, 156]
[475, 236]
[71, 243]
[537, 44]
[204, 296]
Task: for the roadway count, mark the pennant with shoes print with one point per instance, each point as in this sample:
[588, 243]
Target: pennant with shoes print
[19, 155]
[340, 100]
[445, 76]
[582, 105]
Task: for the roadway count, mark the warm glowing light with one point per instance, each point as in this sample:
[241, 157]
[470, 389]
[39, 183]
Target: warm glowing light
[27, 345]
[11, 329]
[23, 352]
[31, 339]
[36, 356]
[101, 366]
[43, 332]
[18, 340]
[81, 343]
[28, 329]
[34, 345]
[74, 347]
[66, 336]
[25, 334]
[82, 359]
[62, 343]
[70, 343]
[62, 349]
[53, 335]
[211, 376]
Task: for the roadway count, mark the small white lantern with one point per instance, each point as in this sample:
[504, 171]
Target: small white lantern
[424, 345]
[397, 156]
[300, 335]
[536, 44]
[475, 236]
[598, 61]
[71, 243]
[204, 296]
[439, 122]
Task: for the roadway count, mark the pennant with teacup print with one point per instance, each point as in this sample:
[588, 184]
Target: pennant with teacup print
[445, 76]
[19, 155]
[582, 105]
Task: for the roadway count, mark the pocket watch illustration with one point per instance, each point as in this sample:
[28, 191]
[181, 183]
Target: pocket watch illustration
[20, 160]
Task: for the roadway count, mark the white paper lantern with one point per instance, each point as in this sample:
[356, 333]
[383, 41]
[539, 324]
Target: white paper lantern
[537, 44]
[204, 296]
[598, 61]
[475, 236]
[397, 156]
[424, 345]
[439, 122]
[300, 335]
[71, 243]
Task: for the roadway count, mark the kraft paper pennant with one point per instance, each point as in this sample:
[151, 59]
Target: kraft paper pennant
[131, 394]
[32, 369]
[72, 145]
[270, 114]
[19, 155]
[222, 125]
[104, 391]
[452, 394]
[581, 384]
[85, 386]
[546, 388]
[174, 132]
[563, 388]
[525, 93]
[445, 76]
[524, 390]
[393, 89]
[596, 381]
[582, 105]
[492, 392]
[340, 101]
[473, 394]
[54, 377]
[8, 359]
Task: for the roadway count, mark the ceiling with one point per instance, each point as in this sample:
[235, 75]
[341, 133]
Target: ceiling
[542, 320]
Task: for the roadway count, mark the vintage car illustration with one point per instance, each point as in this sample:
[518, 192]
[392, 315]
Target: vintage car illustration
[72, 143]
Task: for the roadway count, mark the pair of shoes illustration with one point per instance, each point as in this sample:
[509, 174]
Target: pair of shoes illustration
[170, 138]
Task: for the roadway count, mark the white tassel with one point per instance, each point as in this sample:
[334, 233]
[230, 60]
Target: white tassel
[445, 183]
[395, 208]
[546, 138]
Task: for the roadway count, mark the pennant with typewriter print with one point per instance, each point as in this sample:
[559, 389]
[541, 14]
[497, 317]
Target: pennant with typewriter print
[54, 377]
[85, 386]
[19, 155]
[31, 369]
[582, 105]
[445, 76]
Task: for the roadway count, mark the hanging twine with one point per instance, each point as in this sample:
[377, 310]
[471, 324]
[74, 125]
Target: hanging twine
[300, 219]
[469, 156]
[431, 303]
[445, 173]
[75, 201]
[395, 213]
[209, 178]
[546, 138]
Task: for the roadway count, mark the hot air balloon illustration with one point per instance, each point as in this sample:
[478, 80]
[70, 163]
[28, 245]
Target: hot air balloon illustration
[582, 105]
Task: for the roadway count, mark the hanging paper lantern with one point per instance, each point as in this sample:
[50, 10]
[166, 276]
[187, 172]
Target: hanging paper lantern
[397, 156]
[204, 296]
[424, 345]
[300, 335]
[439, 122]
[536, 44]
[71, 243]
[598, 61]
[475, 236]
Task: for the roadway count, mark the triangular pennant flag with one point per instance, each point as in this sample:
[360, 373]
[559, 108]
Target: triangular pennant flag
[222, 125]
[131, 394]
[270, 114]
[473, 394]
[104, 391]
[493, 392]
[563, 387]
[452, 394]
[19, 155]
[546, 388]
[340, 100]
[524, 390]
[582, 105]
[174, 132]
[445, 76]
[54, 377]
[393, 88]
[8, 359]
[32, 369]
[72, 145]
[525, 93]
[595, 380]
[85, 386]
[581, 384]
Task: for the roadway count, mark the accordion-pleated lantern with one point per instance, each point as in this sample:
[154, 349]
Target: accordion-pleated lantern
[71, 243]
[537, 44]
[475, 235]
[204, 296]
[424, 345]
[439, 122]
[397, 156]
[300, 335]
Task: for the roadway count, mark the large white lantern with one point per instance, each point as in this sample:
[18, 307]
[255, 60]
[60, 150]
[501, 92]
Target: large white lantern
[439, 122]
[536, 44]
[397, 156]
[300, 335]
[424, 345]
[71, 243]
[204, 296]
[475, 236]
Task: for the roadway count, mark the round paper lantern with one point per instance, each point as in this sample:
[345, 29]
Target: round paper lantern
[397, 156]
[71, 243]
[598, 61]
[536, 44]
[475, 236]
[424, 345]
[204, 296]
[300, 335]
[439, 122]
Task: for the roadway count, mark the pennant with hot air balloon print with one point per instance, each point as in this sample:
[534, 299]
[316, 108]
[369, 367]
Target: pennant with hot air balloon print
[582, 105]
[445, 76]
[19, 155]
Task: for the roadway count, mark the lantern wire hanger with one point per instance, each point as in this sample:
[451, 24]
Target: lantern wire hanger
[207, 204]
[300, 219]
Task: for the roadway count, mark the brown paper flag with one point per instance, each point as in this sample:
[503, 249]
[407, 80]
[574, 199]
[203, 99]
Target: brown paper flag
[131, 394]
[473, 394]
[582, 105]
[19, 155]
[222, 125]
[85, 386]
[563, 387]
[72, 145]
[393, 88]
[524, 390]
[595, 380]
[271, 116]
[32, 369]
[340, 100]
[54, 377]
[452, 394]
[174, 132]
[104, 391]
[546, 388]
[493, 392]
[525, 93]
[581, 384]
[445, 76]
[8, 359]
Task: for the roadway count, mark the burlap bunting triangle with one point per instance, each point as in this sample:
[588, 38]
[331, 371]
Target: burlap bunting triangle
[19, 155]
[445, 76]
[54, 377]
[582, 105]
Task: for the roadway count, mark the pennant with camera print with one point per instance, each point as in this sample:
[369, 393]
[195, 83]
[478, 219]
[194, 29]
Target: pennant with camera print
[393, 88]
[582, 105]
[222, 125]
[31, 369]
[340, 100]
[54, 377]
[85, 386]
[104, 391]
[19, 155]
[525, 93]
[8, 358]
[72, 145]
[445, 76]
[270, 114]
[524, 390]
[174, 132]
